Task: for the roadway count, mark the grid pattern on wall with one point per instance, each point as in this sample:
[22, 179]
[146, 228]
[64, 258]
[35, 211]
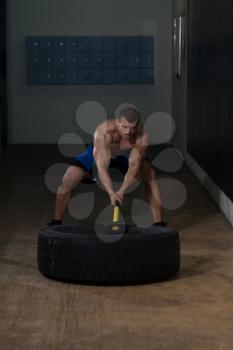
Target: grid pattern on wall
[90, 60]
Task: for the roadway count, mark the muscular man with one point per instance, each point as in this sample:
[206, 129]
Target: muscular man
[112, 139]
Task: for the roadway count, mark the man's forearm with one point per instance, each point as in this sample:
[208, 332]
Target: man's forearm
[130, 177]
[102, 158]
[106, 180]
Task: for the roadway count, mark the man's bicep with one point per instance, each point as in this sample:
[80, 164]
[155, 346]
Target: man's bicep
[101, 152]
[144, 143]
[101, 139]
[139, 151]
[102, 158]
[135, 157]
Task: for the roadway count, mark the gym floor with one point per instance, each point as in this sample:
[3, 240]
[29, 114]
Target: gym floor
[194, 310]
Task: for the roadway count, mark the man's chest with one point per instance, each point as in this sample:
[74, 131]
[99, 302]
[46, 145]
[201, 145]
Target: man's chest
[121, 148]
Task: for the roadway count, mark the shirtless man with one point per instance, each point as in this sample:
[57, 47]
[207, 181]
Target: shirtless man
[112, 139]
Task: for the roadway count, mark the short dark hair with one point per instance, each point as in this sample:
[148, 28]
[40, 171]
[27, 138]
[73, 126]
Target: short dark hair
[130, 114]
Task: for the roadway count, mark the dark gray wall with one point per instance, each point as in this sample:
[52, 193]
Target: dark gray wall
[185, 101]
[210, 89]
[43, 114]
[2, 74]
[179, 87]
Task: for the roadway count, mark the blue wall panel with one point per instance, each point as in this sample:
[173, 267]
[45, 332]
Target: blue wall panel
[90, 60]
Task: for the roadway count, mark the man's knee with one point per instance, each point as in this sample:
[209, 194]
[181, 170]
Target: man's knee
[71, 178]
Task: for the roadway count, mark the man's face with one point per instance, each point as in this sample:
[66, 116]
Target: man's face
[126, 129]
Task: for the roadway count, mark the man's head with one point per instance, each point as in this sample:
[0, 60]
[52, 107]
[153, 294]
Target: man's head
[128, 121]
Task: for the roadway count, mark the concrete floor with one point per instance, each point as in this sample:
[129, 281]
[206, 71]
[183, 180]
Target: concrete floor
[192, 311]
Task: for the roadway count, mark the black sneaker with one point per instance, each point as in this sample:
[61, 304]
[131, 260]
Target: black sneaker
[160, 223]
[89, 180]
[54, 222]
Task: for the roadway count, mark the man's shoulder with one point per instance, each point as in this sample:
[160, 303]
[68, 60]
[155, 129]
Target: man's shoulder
[107, 125]
[142, 140]
[104, 132]
[142, 134]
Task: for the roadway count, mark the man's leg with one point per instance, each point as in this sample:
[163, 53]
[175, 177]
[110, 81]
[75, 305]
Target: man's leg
[72, 178]
[74, 175]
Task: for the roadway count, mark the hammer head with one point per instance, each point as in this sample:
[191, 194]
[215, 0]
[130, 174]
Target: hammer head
[117, 228]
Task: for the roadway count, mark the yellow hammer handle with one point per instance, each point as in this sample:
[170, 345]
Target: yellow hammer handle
[116, 213]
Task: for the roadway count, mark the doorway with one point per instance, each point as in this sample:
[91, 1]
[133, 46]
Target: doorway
[3, 74]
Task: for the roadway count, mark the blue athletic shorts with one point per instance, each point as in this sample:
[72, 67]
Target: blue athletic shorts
[86, 161]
